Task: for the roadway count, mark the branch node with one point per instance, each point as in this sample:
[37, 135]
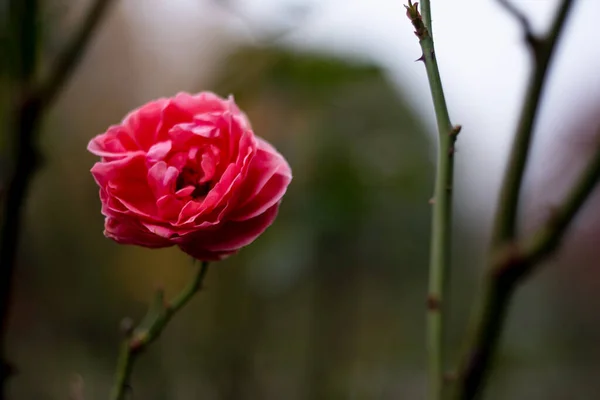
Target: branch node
[433, 303]
[519, 16]
[126, 326]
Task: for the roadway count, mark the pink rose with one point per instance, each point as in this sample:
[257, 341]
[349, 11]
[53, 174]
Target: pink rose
[188, 171]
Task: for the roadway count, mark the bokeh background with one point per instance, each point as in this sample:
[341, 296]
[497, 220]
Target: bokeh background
[329, 302]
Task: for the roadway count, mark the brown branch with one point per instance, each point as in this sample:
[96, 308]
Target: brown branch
[29, 101]
[512, 260]
[73, 53]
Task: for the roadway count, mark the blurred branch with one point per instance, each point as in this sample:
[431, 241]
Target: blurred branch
[156, 319]
[508, 270]
[512, 260]
[542, 50]
[73, 52]
[521, 18]
[29, 101]
[439, 267]
[22, 34]
[269, 38]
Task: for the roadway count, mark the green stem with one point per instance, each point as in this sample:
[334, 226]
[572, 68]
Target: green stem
[440, 248]
[158, 316]
[426, 13]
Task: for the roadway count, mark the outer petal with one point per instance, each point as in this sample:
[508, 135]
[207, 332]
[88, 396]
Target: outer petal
[229, 236]
[266, 183]
[126, 181]
[129, 231]
[144, 123]
[204, 102]
[115, 143]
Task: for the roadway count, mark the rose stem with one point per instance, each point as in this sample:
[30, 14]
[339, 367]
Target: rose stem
[440, 250]
[511, 260]
[30, 99]
[156, 319]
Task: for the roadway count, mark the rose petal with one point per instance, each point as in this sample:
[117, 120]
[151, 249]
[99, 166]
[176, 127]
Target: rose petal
[162, 179]
[115, 143]
[229, 236]
[270, 194]
[159, 151]
[126, 180]
[129, 231]
[144, 123]
[267, 180]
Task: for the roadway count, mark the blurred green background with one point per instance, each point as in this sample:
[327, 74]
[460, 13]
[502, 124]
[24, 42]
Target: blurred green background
[327, 304]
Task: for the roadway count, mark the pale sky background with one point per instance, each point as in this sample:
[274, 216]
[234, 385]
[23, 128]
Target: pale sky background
[483, 63]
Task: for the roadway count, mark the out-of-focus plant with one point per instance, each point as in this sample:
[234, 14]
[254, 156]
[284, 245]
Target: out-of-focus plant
[29, 96]
[512, 258]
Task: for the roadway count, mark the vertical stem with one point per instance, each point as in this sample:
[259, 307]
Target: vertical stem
[426, 13]
[441, 229]
[441, 225]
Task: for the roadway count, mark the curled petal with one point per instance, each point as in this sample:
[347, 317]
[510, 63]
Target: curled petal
[115, 143]
[144, 123]
[266, 183]
[229, 236]
[131, 231]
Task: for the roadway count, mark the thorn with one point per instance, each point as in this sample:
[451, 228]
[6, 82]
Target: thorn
[422, 58]
[431, 200]
[455, 130]
[433, 303]
[451, 151]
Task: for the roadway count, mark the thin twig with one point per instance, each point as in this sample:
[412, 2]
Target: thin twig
[158, 316]
[511, 260]
[440, 250]
[521, 18]
[506, 216]
[69, 58]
